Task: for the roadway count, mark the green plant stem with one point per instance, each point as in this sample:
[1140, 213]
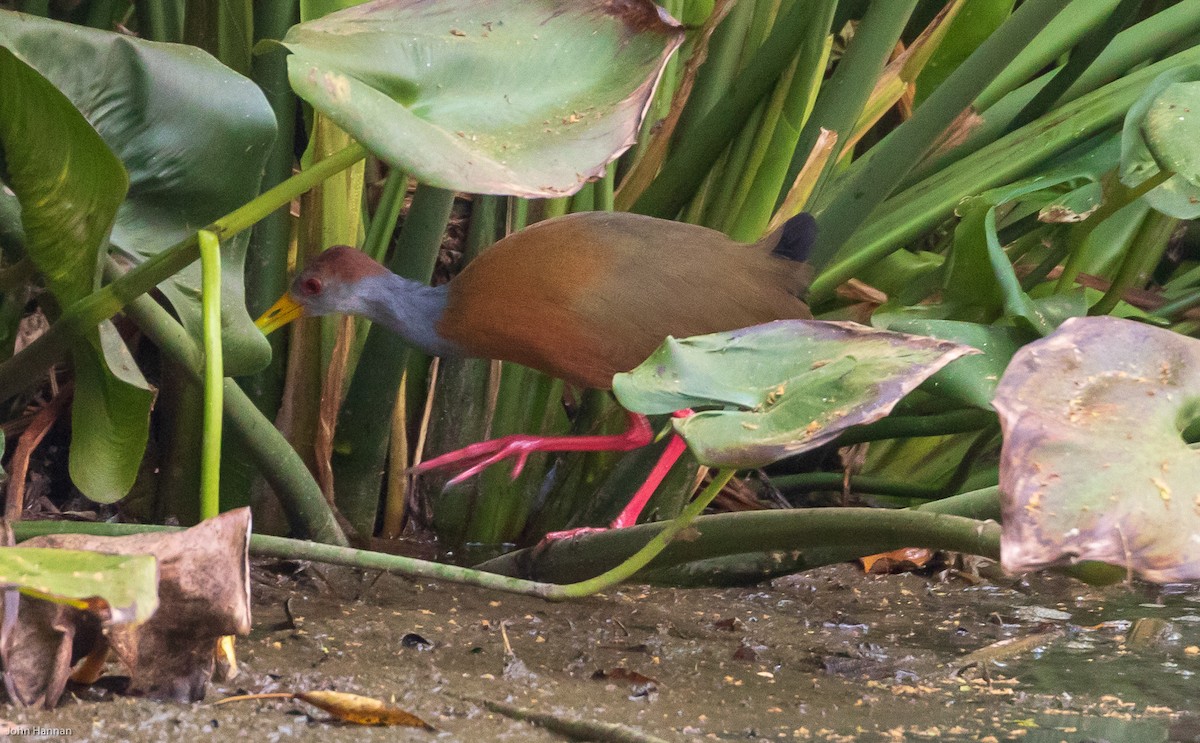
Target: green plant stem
[1160, 34]
[1055, 40]
[865, 190]
[360, 446]
[653, 547]
[722, 534]
[295, 549]
[1183, 303]
[1144, 253]
[383, 222]
[1116, 198]
[810, 481]
[699, 146]
[1082, 57]
[214, 375]
[161, 20]
[844, 96]
[304, 505]
[919, 208]
[28, 367]
[267, 258]
[907, 426]
[861, 530]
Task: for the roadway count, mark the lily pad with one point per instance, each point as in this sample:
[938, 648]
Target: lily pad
[1094, 464]
[785, 387]
[530, 98]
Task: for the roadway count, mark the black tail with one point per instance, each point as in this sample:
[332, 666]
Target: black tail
[796, 237]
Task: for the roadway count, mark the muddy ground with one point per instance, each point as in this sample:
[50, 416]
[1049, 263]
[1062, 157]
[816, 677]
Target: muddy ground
[831, 655]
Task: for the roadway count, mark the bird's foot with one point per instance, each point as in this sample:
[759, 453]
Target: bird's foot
[478, 457]
[558, 536]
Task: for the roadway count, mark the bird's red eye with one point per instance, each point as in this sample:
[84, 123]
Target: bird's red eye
[311, 285]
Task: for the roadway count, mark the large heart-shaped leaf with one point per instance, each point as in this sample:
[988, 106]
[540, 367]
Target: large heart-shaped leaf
[69, 185]
[1094, 466]
[120, 588]
[523, 97]
[786, 386]
[193, 136]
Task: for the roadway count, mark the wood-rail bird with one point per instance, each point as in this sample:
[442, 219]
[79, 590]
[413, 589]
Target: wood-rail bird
[580, 297]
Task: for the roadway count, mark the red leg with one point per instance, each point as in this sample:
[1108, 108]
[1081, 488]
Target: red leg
[629, 514]
[477, 457]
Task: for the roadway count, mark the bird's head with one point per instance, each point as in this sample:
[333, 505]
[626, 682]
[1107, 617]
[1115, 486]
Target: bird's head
[329, 283]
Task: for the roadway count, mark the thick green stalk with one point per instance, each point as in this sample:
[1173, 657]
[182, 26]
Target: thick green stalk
[360, 446]
[461, 413]
[604, 189]
[1116, 197]
[294, 549]
[1162, 32]
[699, 147]
[877, 529]
[161, 20]
[810, 481]
[911, 213]
[1082, 57]
[1056, 39]
[224, 30]
[653, 548]
[757, 200]
[717, 74]
[214, 375]
[387, 214]
[28, 367]
[860, 194]
[266, 260]
[1144, 253]
[844, 96]
[723, 534]
[909, 426]
[726, 186]
[103, 14]
[307, 510]
[755, 567]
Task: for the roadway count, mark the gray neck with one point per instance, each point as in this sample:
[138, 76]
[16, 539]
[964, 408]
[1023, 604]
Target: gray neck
[408, 308]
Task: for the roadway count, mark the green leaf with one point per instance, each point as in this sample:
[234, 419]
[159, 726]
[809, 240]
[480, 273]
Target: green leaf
[1094, 465]
[110, 417]
[793, 385]
[524, 98]
[121, 588]
[1161, 131]
[193, 136]
[972, 381]
[979, 273]
[973, 24]
[1172, 129]
[69, 185]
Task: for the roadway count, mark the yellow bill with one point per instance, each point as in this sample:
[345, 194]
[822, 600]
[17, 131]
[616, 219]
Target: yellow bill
[280, 314]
